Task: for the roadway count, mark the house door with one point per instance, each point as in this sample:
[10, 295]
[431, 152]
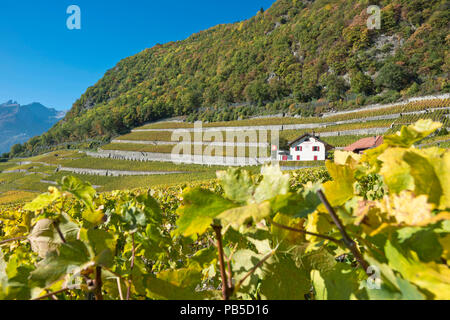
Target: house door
[298, 158]
[315, 158]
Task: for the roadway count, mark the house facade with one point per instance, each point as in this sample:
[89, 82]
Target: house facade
[307, 147]
[364, 144]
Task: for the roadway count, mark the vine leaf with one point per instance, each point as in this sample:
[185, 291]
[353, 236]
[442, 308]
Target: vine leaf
[284, 281]
[44, 238]
[151, 207]
[102, 243]
[391, 286]
[84, 192]
[132, 217]
[236, 217]
[340, 189]
[81, 190]
[198, 211]
[244, 261]
[273, 183]
[317, 222]
[237, 184]
[409, 135]
[43, 200]
[336, 284]
[395, 171]
[408, 209]
[14, 278]
[297, 205]
[426, 178]
[424, 241]
[432, 277]
[177, 284]
[287, 237]
[58, 263]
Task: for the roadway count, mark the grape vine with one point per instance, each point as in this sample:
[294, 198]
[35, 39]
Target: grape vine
[371, 226]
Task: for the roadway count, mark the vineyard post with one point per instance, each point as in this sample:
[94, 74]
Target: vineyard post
[226, 289]
[345, 237]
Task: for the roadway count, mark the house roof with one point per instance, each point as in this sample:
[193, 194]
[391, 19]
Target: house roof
[328, 146]
[365, 143]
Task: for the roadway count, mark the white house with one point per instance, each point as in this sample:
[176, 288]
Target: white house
[307, 147]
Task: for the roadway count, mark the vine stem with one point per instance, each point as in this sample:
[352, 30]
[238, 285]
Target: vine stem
[118, 277]
[226, 289]
[13, 239]
[230, 272]
[48, 295]
[305, 232]
[98, 283]
[119, 288]
[259, 264]
[345, 237]
[56, 226]
[130, 278]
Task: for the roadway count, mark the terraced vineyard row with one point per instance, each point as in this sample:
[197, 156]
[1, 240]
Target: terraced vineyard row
[34, 175]
[215, 151]
[287, 134]
[26, 183]
[440, 115]
[410, 107]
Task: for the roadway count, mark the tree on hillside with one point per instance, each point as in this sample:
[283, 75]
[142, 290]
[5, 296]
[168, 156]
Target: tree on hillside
[257, 91]
[335, 87]
[393, 76]
[361, 83]
[16, 149]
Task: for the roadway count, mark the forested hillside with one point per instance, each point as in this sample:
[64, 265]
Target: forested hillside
[294, 56]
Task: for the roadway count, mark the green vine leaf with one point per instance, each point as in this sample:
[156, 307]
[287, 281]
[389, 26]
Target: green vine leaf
[409, 135]
[237, 184]
[273, 183]
[431, 277]
[199, 209]
[178, 284]
[251, 214]
[58, 263]
[44, 200]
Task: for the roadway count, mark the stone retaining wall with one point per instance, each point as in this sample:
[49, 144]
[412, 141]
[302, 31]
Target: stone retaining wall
[211, 160]
[167, 157]
[299, 126]
[382, 106]
[114, 173]
[289, 168]
[218, 144]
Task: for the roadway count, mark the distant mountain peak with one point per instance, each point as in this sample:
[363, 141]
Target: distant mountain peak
[10, 103]
[18, 123]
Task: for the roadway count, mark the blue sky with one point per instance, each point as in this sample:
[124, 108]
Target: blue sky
[41, 60]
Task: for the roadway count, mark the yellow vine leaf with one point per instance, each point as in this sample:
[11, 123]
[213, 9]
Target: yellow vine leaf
[433, 277]
[408, 209]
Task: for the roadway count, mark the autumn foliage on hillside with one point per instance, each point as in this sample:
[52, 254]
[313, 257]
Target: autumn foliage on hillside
[285, 58]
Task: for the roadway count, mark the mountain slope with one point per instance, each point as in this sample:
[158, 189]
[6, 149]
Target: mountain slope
[19, 123]
[293, 53]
